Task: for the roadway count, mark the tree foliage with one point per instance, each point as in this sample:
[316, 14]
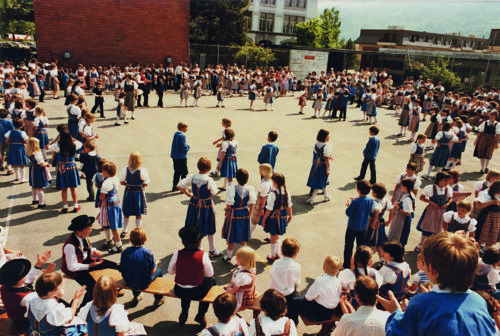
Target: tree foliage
[438, 71]
[18, 17]
[255, 56]
[320, 32]
[218, 21]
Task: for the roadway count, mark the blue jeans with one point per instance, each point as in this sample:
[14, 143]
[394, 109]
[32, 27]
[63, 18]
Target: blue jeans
[157, 274]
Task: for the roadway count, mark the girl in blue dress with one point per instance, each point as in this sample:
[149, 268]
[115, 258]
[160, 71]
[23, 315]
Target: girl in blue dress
[442, 152]
[135, 178]
[278, 214]
[201, 210]
[228, 164]
[375, 232]
[40, 124]
[110, 215]
[320, 170]
[240, 200]
[16, 156]
[39, 174]
[67, 176]
[98, 180]
[251, 93]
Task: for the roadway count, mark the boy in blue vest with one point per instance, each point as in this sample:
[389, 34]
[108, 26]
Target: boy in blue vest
[5, 126]
[450, 308]
[269, 151]
[179, 154]
[343, 100]
[370, 155]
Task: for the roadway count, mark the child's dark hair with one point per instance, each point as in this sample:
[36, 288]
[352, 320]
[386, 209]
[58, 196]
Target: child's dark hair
[100, 163]
[110, 168]
[408, 183]
[90, 145]
[242, 176]
[322, 135]
[421, 136]
[272, 136]
[279, 179]
[3, 113]
[494, 189]
[363, 187]
[446, 127]
[367, 289]
[374, 130]
[229, 134]
[225, 306]
[362, 258]
[66, 145]
[441, 176]
[395, 249]
[17, 123]
[273, 303]
[290, 247]
[379, 190]
[47, 282]
[491, 256]
[204, 165]
[411, 166]
[454, 175]
[464, 205]
[226, 122]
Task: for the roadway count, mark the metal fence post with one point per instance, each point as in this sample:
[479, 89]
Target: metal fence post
[486, 71]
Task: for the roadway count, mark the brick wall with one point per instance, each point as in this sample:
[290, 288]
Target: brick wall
[103, 32]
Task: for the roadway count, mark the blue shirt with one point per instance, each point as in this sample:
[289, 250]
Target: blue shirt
[359, 212]
[136, 265]
[344, 99]
[179, 146]
[268, 154]
[371, 150]
[5, 126]
[442, 314]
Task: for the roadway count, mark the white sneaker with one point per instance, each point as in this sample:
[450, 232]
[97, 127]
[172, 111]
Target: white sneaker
[326, 199]
[214, 253]
[310, 202]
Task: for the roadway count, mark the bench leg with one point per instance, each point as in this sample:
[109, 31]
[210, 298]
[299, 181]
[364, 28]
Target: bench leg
[256, 313]
[326, 329]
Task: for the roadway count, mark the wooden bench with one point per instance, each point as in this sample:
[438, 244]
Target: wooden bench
[9, 328]
[326, 326]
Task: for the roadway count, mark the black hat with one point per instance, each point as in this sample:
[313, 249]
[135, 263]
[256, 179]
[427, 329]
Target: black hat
[13, 271]
[81, 222]
[190, 234]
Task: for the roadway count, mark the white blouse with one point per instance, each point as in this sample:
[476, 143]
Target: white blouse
[199, 180]
[118, 317]
[451, 215]
[144, 175]
[231, 194]
[271, 197]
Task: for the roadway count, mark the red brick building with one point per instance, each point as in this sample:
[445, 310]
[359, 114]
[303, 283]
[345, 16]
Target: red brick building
[103, 32]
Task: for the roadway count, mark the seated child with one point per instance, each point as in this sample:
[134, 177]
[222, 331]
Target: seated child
[273, 322]
[418, 279]
[228, 324]
[243, 281]
[322, 298]
[487, 276]
[459, 220]
[396, 272]
[449, 308]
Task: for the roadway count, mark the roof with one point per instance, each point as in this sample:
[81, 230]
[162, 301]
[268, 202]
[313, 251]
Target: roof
[367, 39]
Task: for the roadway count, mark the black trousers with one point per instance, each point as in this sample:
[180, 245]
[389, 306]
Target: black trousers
[289, 299]
[85, 279]
[310, 309]
[90, 186]
[178, 80]
[180, 170]
[343, 112]
[41, 96]
[196, 293]
[350, 236]
[373, 172]
[99, 103]
[160, 98]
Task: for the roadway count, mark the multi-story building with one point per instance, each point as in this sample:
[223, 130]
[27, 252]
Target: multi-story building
[273, 21]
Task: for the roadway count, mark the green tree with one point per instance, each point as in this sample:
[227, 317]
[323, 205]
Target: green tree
[351, 60]
[439, 72]
[320, 32]
[17, 17]
[218, 21]
[255, 56]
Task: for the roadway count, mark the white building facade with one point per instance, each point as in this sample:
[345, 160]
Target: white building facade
[273, 21]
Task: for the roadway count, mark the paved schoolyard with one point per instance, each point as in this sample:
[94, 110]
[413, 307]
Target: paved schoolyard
[319, 228]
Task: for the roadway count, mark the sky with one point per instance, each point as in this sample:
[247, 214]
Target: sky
[439, 16]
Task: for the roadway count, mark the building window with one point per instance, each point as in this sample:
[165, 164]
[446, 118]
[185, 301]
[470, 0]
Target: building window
[296, 3]
[268, 2]
[266, 23]
[248, 22]
[289, 23]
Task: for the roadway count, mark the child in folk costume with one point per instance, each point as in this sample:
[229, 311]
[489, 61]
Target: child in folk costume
[398, 100]
[16, 156]
[228, 164]
[268, 96]
[252, 93]
[371, 108]
[427, 104]
[184, 92]
[196, 91]
[5, 126]
[98, 180]
[40, 125]
[414, 120]
[417, 151]
[74, 113]
[242, 283]
[302, 101]
[488, 221]
[39, 174]
[411, 174]
[419, 279]
[396, 272]
[121, 109]
[90, 162]
[135, 178]
[29, 118]
[179, 153]
[457, 148]
[375, 232]
[47, 316]
[318, 103]
[440, 156]
[273, 322]
[220, 97]
[110, 215]
[487, 140]
[87, 129]
[320, 170]
[228, 324]
[458, 190]
[400, 226]
[432, 128]
[265, 187]
[226, 124]
[240, 200]
[201, 211]
[459, 220]
[438, 196]
[104, 315]
[269, 152]
[278, 214]
[404, 118]
[487, 276]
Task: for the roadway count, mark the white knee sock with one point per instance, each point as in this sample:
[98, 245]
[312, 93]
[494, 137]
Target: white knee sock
[482, 163]
[229, 253]
[16, 172]
[225, 182]
[486, 163]
[429, 170]
[448, 164]
[272, 249]
[107, 233]
[22, 173]
[325, 193]
[252, 228]
[315, 192]
[138, 223]
[33, 193]
[277, 248]
[125, 224]
[211, 245]
[44, 153]
[41, 196]
[118, 243]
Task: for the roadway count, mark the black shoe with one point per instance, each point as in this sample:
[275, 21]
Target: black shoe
[123, 235]
[107, 245]
[103, 116]
[41, 206]
[174, 189]
[90, 199]
[34, 202]
[358, 178]
[133, 118]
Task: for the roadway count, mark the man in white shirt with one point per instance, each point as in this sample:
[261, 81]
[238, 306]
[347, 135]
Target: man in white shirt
[367, 320]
